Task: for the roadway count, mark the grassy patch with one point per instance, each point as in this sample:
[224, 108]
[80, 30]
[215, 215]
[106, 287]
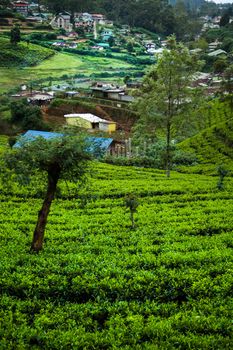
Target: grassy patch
[58, 65]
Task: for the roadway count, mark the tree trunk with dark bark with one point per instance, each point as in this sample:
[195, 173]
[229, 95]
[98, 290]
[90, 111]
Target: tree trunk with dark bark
[168, 150]
[132, 219]
[38, 237]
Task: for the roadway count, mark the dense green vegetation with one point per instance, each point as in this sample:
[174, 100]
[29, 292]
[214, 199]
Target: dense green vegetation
[61, 64]
[154, 15]
[101, 285]
[22, 54]
[213, 147]
[131, 259]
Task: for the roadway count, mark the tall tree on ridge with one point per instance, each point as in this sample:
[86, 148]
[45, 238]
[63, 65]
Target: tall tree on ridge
[166, 93]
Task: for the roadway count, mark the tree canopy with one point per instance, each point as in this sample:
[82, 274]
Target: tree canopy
[62, 157]
[166, 96]
[15, 35]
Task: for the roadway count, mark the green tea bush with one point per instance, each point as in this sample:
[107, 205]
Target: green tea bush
[23, 54]
[167, 284]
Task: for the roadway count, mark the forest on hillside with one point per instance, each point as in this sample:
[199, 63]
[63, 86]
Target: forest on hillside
[155, 15]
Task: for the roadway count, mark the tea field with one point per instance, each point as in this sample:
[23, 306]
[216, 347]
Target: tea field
[213, 145]
[98, 284]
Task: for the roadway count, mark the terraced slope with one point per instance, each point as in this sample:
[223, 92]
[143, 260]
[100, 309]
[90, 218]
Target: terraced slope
[213, 147]
[100, 285]
[22, 55]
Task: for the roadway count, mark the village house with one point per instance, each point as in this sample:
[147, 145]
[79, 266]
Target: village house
[106, 90]
[21, 7]
[98, 18]
[209, 25]
[84, 20]
[217, 53]
[111, 92]
[35, 19]
[106, 34]
[133, 84]
[102, 46]
[34, 97]
[90, 121]
[62, 20]
[216, 20]
[214, 45]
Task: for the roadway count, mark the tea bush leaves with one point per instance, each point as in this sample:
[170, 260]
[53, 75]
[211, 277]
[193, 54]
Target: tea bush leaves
[100, 285]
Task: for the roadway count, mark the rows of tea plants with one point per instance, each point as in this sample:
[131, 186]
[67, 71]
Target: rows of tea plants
[213, 146]
[99, 284]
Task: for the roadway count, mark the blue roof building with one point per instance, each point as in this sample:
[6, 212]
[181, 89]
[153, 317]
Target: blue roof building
[98, 145]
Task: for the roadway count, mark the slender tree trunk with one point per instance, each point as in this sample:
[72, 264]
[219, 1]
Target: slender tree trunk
[132, 219]
[169, 115]
[38, 237]
[168, 150]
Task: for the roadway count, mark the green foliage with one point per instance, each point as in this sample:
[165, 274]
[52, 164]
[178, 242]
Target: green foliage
[22, 55]
[213, 146]
[4, 12]
[41, 36]
[222, 172]
[98, 284]
[223, 34]
[151, 15]
[58, 102]
[166, 97]
[15, 35]
[224, 20]
[33, 156]
[153, 155]
[129, 46]
[111, 41]
[26, 116]
[131, 203]
[64, 157]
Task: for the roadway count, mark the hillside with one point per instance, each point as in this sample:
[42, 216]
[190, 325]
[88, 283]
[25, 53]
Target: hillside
[99, 284]
[213, 147]
[22, 54]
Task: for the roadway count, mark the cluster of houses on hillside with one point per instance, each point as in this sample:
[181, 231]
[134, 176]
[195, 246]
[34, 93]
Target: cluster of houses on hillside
[212, 83]
[32, 11]
[36, 12]
[84, 21]
[211, 22]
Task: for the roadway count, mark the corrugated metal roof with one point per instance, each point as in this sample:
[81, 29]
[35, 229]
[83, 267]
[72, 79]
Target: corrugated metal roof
[101, 143]
[87, 116]
[31, 135]
[217, 52]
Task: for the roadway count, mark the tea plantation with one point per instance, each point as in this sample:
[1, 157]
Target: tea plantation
[212, 146]
[98, 284]
[22, 54]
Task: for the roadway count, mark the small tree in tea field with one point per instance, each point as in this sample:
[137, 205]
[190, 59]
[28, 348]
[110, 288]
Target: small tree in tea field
[222, 172]
[131, 203]
[63, 157]
[15, 35]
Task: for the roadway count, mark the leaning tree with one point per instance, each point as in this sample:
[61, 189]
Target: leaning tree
[61, 157]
